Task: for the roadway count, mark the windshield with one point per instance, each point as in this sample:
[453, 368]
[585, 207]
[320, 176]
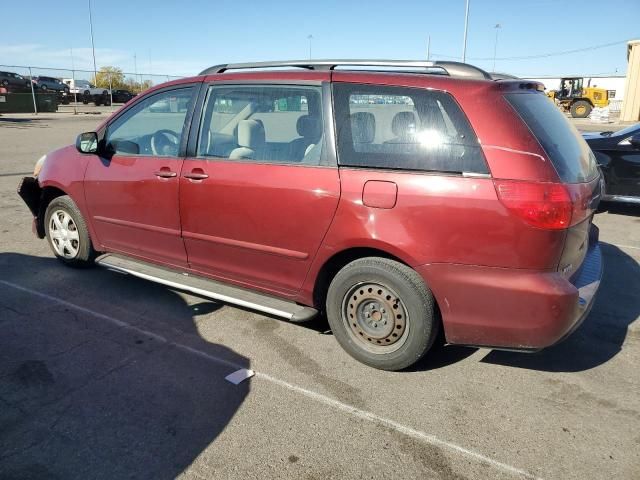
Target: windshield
[571, 156]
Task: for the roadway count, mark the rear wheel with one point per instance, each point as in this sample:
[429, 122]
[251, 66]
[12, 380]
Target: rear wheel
[67, 233]
[85, 97]
[581, 109]
[382, 313]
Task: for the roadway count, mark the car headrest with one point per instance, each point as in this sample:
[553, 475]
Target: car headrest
[308, 127]
[363, 127]
[404, 124]
[251, 134]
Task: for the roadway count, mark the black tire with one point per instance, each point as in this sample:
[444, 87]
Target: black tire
[85, 97]
[5, 83]
[85, 253]
[368, 287]
[106, 99]
[97, 102]
[581, 109]
[44, 88]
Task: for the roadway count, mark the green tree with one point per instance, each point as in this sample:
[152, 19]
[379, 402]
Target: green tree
[109, 77]
[136, 87]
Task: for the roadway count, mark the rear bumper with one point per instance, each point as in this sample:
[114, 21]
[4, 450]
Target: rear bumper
[513, 309]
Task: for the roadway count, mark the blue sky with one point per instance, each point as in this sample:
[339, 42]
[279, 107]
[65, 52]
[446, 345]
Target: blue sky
[181, 38]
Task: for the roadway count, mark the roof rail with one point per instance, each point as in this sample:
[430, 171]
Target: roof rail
[454, 69]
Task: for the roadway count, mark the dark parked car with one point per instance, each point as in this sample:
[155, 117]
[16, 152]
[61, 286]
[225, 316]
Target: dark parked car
[14, 82]
[50, 83]
[276, 191]
[618, 156]
[122, 96]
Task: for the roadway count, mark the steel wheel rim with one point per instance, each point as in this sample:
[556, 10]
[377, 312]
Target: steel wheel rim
[581, 110]
[64, 235]
[375, 317]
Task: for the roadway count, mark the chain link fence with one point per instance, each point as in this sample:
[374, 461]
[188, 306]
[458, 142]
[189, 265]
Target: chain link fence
[38, 89]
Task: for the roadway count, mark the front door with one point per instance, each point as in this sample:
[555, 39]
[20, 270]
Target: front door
[132, 193]
[259, 195]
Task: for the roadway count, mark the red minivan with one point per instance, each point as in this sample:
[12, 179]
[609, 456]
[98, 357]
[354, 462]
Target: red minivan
[397, 197]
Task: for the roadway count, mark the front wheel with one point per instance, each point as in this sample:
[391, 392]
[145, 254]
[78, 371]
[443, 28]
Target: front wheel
[67, 233]
[581, 109]
[382, 313]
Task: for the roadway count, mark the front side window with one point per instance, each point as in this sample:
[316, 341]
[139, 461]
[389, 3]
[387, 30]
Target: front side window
[153, 126]
[272, 124]
[404, 129]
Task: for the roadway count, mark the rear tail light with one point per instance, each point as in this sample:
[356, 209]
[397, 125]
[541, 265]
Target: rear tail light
[542, 205]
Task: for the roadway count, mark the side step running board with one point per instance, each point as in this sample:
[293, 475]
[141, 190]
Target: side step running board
[207, 288]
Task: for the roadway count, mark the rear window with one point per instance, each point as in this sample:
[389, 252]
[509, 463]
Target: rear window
[404, 128]
[569, 153]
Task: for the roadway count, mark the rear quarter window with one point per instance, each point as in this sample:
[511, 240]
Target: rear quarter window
[404, 128]
[571, 156]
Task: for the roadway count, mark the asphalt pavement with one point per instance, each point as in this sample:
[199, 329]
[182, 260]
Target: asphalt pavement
[108, 376]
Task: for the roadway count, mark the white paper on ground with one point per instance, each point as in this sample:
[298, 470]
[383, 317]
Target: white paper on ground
[239, 376]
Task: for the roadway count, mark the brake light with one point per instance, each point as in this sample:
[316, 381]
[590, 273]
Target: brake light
[542, 205]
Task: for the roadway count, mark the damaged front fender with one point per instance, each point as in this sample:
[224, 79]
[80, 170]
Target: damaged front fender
[30, 191]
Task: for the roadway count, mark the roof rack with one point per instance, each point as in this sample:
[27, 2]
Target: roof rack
[453, 69]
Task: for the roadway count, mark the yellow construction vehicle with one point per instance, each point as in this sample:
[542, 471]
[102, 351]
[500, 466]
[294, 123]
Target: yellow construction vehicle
[573, 97]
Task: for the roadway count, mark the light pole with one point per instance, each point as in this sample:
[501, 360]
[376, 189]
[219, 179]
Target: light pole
[93, 48]
[466, 28]
[310, 38]
[495, 46]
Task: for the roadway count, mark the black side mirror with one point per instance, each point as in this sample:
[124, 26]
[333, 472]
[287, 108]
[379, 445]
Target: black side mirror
[87, 142]
[635, 141]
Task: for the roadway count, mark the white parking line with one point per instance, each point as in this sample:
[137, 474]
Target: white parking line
[318, 397]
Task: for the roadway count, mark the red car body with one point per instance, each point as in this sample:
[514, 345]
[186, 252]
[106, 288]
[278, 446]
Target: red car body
[284, 230]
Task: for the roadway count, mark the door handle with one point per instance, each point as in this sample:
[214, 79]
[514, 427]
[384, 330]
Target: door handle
[162, 173]
[196, 174]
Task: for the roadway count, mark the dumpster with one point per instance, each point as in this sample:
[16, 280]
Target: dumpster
[23, 102]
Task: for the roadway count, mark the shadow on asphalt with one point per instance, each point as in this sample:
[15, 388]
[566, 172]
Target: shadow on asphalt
[628, 209]
[601, 336]
[9, 122]
[81, 397]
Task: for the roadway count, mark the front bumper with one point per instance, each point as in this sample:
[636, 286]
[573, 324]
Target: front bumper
[513, 309]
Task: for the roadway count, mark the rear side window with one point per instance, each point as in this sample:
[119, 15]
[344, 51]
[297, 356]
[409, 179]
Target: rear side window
[569, 153]
[404, 129]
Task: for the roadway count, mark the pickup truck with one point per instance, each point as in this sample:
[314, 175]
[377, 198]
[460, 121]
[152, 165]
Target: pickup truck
[87, 92]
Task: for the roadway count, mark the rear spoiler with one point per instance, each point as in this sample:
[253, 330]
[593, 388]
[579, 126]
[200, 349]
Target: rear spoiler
[511, 85]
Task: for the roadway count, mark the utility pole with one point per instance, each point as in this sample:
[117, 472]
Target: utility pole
[495, 46]
[466, 28]
[93, 48]
[135, 68]
[310, 38]
[428, 48]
